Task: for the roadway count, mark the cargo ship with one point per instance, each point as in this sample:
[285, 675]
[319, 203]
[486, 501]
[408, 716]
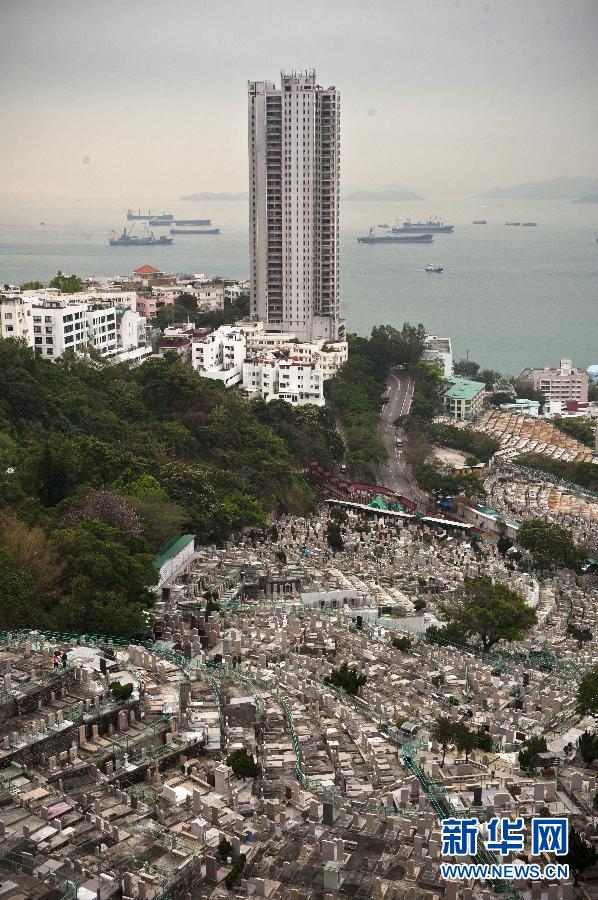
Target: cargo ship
[480, 222]
[186, 222]
[512, 223]
[529, 224]
[126, 239]
[195, 231]
[133, 215]
[160, 221]
[432, 226]
[373, 238]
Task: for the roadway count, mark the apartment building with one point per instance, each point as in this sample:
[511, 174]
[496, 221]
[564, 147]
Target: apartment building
[277, 377]
[464, 399]
[220, 355]
[562, 383]
[294, 150]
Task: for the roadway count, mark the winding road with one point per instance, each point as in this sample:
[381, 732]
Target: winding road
[395, 474]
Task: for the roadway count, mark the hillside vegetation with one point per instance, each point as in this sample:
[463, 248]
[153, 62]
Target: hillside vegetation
[100, 463]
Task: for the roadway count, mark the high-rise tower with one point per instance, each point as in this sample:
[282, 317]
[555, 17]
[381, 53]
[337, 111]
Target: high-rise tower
[293, 206]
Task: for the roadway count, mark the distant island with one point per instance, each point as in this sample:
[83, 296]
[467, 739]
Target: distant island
[555, 189]
[209, 197]
[382, 195]
[587, 198]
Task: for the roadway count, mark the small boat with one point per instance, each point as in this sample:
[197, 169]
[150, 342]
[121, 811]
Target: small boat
[480, 222]
[385, 225]
[512, 223]
[529, 224]
[431, 268]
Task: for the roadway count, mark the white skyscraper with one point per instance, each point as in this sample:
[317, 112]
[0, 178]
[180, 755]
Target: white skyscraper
[293, 206]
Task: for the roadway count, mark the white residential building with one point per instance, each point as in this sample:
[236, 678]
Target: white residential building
[275, 377]
[53, 323]
[15, 318]
[294, 149]
[439, 350]
[220, 355]
[59, 326]
[330, 355]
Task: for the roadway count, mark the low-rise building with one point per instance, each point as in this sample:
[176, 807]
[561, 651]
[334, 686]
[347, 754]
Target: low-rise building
[564, 383]
[464, 398]
[220, 355]
[523, 406]
[439, 350]
[277, 377]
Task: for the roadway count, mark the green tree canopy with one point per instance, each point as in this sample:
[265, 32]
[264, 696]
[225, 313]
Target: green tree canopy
[243, 764]
[587, 694]
[67, 284]
[346, 677]
[16, 595]
[551, 545]
[492, 611]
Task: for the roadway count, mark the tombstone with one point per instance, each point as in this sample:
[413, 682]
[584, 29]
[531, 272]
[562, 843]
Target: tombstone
[123, 720]
[477, 795]
[211, 869]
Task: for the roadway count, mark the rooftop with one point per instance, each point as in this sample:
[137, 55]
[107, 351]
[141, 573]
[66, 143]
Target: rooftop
[172, 548]
[463, 389]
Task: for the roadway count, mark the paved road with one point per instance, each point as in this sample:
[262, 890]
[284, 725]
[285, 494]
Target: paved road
[395, 474]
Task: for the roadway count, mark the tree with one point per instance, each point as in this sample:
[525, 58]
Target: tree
[489, 377]
[419, 604]
[347, 678]
[34, 553]
[31, 286]
[588, 747]
[551, 545]
[587, 694]
[526, 392]
[243, 764]
[466, 368]
[452, 634]
[492, 611]
[121, 692]
[111, 576]
[224, 848]
[581, 635]
[465, 739]
[503, 544]
[443, 731]
[16, 595]
[401, 643]
[67, 284]
[334, 537]
[527, 756]
[484, 741]
[235, 872]
[581, 854]
[501, 397]
[189, 301]
[105, 506]
[578, 427]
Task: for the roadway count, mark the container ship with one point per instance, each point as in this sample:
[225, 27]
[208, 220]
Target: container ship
[126, 239]
[432, 226]
[133, 215]
[373, 238]
[195, 231]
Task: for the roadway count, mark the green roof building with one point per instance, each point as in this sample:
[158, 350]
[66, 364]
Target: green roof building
[464, 398]
[174, 557]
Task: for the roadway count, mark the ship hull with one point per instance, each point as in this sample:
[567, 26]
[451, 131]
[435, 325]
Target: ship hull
[396, 239]
[194, 231]
[427, 229]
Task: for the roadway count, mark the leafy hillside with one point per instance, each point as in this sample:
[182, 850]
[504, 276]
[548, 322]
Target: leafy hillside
[101, 463]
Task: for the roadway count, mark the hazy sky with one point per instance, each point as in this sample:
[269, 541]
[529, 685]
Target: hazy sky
[148, 97]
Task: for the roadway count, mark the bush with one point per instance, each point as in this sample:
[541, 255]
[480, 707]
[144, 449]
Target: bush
[121, 692]
[401, 643]
[235, 872]
[243, 764]
[346, 678]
